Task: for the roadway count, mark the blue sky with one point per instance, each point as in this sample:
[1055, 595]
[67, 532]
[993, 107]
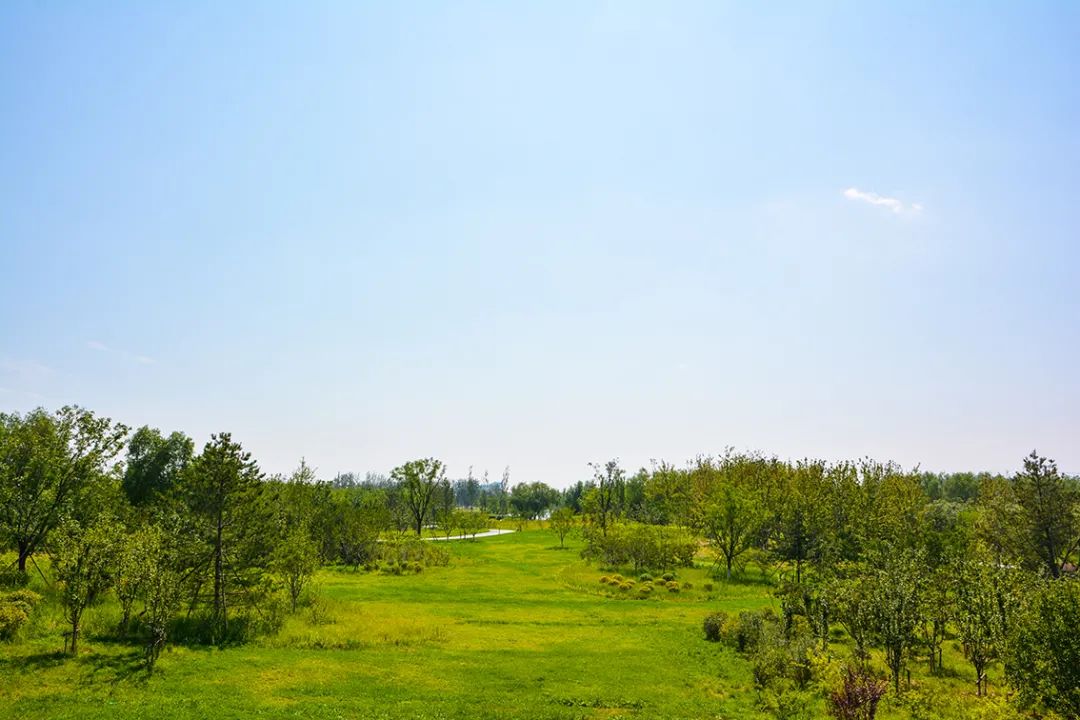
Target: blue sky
[543, 234]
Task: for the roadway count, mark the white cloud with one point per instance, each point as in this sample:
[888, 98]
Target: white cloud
[894, 204]
[95, 345]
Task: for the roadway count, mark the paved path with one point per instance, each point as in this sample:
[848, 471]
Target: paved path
[486, 533]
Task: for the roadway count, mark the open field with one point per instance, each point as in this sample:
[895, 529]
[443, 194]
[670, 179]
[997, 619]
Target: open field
[513, 627]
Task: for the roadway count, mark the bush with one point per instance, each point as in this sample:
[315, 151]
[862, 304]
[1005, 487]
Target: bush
[605, 580]
[640, 545]
[673, 588]
[26, 599]
[708, 587]
[645, 591]
[645, 577]
[745, 633]
[12, 617]
[714, 626]
[625, 587]
[688, 586]
[857, 696]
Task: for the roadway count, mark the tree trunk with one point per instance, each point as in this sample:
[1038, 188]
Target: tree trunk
[75, 635]
[24, 555]
[219, 619]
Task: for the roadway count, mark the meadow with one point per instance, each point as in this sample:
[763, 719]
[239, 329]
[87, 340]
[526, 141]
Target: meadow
[512, 627]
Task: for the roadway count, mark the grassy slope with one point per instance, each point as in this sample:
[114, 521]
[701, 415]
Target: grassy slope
[512, 628]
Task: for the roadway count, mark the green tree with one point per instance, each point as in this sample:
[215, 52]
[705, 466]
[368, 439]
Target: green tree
[81, 558]
[223, 492]
[295, 560]
[1051, 507]
[128, 570]
[50, 466]
[801, 521]
[601, 502]
[154, 464]
[161, 587]
[531, 501]
[562, 523]
[730, 522]
[1043, 660]
[418, 481]
[985, 600]
[895, 591]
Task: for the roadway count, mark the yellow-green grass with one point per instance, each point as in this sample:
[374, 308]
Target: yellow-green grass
[512, 627]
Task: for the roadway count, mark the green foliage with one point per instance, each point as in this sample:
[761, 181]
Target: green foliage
[562, 523]
[52, 467]
[713, 626]
[986, 601]
[418, 481]
[154, 464]
[81, 557]
[532, 501]
[12, 617]
[1050, 507]
[895, 592]
[1043, 660]
[295, 559]
[229, 532]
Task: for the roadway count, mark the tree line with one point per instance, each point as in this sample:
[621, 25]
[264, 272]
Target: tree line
[203, 545]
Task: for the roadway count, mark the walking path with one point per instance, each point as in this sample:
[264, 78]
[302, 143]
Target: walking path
[487, 533]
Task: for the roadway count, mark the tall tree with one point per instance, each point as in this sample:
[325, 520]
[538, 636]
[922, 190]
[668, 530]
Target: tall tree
[154, 463]
[418, 481]
[49, 466]
[224, 493]
[1050, 504]
[601, 502]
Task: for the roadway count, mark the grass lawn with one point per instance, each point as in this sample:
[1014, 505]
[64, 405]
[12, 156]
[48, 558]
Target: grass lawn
[513, 627]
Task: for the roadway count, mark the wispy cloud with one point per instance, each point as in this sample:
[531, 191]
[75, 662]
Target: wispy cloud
[894, 204]
[133, 357]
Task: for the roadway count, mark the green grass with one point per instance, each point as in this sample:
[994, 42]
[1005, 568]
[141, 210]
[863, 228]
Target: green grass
[513, 627]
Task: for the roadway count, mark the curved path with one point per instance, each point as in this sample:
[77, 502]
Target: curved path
[486, 533]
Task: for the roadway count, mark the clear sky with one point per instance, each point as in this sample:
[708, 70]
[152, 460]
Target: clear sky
[543, 234]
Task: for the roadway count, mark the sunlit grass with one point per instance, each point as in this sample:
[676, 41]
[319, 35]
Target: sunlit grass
[512, 627]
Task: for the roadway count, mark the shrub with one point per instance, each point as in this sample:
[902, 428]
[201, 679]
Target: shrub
[640, 545]
[745, 633]
[688, 586]
[668, 577]
[645, 577]
[714, 626]
[625, 586]
[12, 617]
[858, 695]
[605, 580]
[645, 591]
[618, 578]
[26, 599]
[708, 587]
[673, 588]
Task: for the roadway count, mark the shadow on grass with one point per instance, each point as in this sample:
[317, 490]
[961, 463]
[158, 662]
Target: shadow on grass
[113, 669]
[32, 663]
